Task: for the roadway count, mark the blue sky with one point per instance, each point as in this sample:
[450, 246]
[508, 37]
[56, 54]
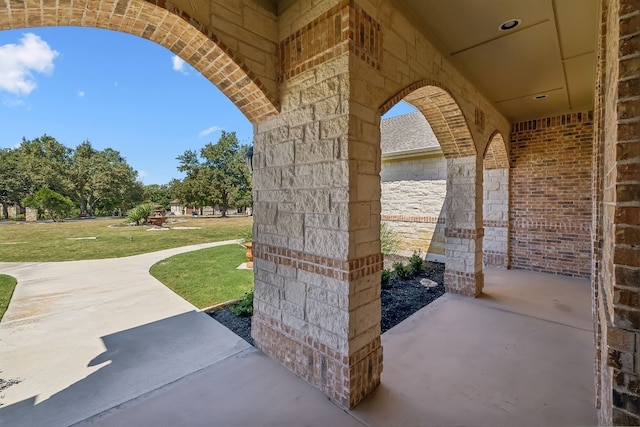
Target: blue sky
[115, 90]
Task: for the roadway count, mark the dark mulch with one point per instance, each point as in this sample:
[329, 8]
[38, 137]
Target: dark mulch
[240, 325]
[405, 297]
[399, 301]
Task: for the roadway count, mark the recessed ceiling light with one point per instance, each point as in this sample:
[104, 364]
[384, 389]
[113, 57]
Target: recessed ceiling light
[541, 96]
[509, 25]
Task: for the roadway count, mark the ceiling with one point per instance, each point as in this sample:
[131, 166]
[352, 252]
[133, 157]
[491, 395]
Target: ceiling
[551, 52]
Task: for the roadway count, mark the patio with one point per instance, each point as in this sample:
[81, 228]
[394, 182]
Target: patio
[522, 354]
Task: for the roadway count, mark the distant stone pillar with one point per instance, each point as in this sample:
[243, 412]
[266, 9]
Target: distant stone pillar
[495, 212]
[463, 246]
[31, 215]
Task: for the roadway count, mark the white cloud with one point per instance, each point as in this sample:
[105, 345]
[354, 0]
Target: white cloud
[19, 61]
[14, 102]
[142, 174]
[81, 93]
[178, 64]
[207, 131]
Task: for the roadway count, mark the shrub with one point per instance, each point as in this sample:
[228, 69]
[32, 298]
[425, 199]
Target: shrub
[385, 279]
[416, 263]
[247, 234]
[401, 271]
[49, 202]
[140, 213]
[389, 239]
[244, 308]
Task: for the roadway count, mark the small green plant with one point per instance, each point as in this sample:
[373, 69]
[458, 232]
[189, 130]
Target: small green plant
[401, 270]
[247, 235]
[385, 279]
[244, 308]
[140, 213]
[416, 263]
[389, 239]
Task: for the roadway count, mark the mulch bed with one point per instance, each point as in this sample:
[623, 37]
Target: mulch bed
[399, 301]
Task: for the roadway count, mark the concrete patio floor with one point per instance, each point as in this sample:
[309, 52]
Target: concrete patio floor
[520, 355]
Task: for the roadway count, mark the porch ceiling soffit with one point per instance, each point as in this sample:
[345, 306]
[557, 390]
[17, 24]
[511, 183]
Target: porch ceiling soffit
[552, 52]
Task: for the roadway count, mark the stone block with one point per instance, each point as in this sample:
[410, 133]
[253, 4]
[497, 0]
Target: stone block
[329, 243]
[292, 309]
[322, 282]
[367, 316]
[315, 151]
[333, 128]
[295, 291]
[290, 224]
[327, 317]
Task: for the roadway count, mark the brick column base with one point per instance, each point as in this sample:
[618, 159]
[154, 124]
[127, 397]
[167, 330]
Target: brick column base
[467, 284]
[345, 379]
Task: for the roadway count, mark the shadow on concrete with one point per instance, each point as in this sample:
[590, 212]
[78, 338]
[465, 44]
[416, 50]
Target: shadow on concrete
[136, 361]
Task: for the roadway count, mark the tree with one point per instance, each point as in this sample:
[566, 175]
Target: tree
[49, 202]
[102, 180]
[226, 168]
[220, 178]
[12, 187]
[32, 165]
[44, 163]
[158, 194]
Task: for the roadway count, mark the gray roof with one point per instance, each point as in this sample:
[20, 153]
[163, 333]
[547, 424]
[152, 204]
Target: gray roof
[407, 132]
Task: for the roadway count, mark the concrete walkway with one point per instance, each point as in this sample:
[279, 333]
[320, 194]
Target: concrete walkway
[520, 355]
[85, 336]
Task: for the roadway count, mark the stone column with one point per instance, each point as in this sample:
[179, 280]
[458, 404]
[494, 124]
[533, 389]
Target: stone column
[495, 213]
[31, 215]
[317, 257]
[463, 246]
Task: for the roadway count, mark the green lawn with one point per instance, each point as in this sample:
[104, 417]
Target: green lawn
[206, 277]
[50, 241]
[7, 284]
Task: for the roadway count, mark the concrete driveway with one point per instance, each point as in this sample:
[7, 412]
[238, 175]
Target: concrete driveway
[85, 336]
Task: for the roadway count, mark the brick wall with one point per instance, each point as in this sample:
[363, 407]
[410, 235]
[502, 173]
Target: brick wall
[617, 187]
[550, 210]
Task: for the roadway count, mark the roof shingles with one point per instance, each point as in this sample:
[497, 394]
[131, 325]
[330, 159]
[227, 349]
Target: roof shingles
[406, 132]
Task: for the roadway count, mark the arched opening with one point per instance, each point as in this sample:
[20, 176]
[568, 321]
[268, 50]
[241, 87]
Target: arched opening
[413, 184]
[235, 82]
[165, 25]
[495, 205]
[462, 234]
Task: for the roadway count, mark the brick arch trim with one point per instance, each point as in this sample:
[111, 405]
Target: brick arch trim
[442, 112]
[161, 23]
[495, 154]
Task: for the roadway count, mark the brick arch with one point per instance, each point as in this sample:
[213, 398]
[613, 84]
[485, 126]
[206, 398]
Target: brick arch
[443, 114]
[495, 154]
[162, 23]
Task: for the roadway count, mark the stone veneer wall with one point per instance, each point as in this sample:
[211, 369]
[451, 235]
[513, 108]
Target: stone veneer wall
[495, 213]
[412, 200]
[550, 211]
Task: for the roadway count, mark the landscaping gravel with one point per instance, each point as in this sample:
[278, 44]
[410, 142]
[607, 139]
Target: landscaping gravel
[399, 301]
